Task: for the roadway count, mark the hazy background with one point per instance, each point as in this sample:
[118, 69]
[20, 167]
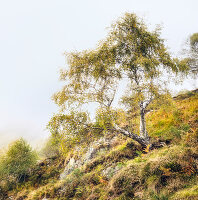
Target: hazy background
[35, 33]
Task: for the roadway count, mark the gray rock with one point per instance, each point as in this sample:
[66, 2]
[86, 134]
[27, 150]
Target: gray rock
[100, 145]
[72, 164]
[110, 171]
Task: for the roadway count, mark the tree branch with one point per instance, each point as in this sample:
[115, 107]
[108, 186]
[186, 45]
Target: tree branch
[142, 141]
[133, 136]
[148, 102]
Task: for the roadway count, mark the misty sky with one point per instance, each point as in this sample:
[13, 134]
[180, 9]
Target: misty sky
[34, 34]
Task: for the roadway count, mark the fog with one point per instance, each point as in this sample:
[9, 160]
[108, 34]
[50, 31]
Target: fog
[35, 34]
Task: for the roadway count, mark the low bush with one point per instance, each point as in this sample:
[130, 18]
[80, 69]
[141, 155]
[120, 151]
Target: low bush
[16, 162]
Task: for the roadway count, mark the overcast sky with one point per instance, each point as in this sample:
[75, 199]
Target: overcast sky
[35, 33]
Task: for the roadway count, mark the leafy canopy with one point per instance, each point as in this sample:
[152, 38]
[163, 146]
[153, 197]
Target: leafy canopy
[191, 53]
[130, 52]
[194, 52]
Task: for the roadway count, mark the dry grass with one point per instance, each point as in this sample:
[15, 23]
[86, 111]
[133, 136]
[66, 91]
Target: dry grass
[166, 173]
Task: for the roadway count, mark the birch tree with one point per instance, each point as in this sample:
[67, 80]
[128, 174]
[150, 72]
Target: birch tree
[130, 52]
[191, 53]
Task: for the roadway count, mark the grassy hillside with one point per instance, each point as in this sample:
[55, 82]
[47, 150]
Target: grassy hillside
[121, 169]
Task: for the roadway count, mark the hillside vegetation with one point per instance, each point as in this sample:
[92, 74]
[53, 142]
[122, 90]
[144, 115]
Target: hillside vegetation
[113, 166]
[143, 148]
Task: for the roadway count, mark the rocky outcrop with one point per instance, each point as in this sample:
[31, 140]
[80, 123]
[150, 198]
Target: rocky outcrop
[99, 146]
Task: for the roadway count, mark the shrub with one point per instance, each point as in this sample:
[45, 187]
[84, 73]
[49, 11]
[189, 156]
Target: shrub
[51, 148]
[17, 161]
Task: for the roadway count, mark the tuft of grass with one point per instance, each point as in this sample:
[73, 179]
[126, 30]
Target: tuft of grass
[186, 194]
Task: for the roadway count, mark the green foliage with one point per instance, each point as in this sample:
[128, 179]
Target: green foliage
[51, 147]
[159, 197]
[129, 52]
[194, 40]
[191, 53]
[105, 119]
[69, 130]
[18, 160]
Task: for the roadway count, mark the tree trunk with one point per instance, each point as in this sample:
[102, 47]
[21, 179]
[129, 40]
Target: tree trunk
[140, 140]
[143, 131]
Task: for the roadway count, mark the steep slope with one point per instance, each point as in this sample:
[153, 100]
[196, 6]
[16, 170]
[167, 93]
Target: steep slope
[115, 167]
